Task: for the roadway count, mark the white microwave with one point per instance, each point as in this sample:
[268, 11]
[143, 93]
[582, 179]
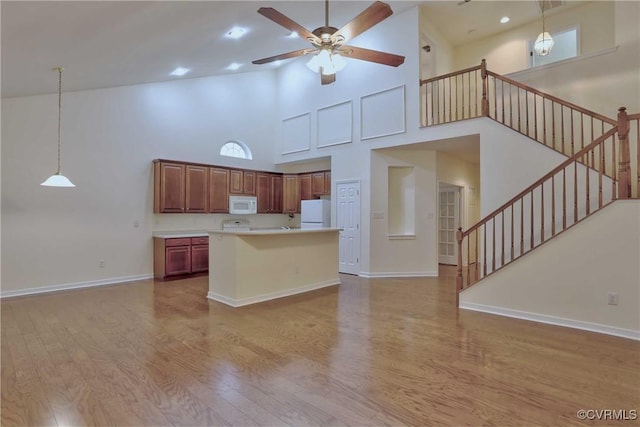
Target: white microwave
[243, 205]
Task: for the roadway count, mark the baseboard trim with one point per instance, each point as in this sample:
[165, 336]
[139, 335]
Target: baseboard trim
[272, 295]
[77, 285]
[553, 320]
[392, 274]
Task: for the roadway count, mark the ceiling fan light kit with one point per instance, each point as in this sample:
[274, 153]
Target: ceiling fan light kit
[329, 42]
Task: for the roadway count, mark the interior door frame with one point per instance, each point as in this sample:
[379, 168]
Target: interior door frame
[444, 186]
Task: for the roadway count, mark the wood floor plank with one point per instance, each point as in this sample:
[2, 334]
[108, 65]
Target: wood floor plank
[369, 352]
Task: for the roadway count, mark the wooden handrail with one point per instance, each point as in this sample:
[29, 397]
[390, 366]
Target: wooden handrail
[633, 116]
[554, 98]
[446, 76]
[553, 172]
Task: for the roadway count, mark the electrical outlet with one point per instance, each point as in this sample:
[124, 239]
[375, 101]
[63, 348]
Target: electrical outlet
[136, 224]
[297, 270]
[101, 263]
[612, 298]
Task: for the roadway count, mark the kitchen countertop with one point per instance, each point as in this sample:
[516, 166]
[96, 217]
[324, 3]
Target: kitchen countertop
[179, 234]
[273, 231]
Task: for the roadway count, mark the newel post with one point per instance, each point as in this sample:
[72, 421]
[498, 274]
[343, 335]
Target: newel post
[485, 86]
[459, 271]
[624, 170]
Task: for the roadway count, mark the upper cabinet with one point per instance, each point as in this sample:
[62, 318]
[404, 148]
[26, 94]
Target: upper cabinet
[169, 187]
[314, 185]
[181, 187]
[242, 182]
[269, 192]
[197, 189]
[290, 194]
[218, 190]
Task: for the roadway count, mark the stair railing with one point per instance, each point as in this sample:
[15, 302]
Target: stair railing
[477, 92]
[554, 203]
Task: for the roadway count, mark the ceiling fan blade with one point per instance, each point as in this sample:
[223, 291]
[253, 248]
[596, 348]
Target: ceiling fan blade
[327, 79]
[369, 17]
[371, 55]
[287, 55]
[280, 19]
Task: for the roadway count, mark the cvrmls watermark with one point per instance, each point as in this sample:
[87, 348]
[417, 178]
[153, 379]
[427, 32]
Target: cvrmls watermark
[607, 414]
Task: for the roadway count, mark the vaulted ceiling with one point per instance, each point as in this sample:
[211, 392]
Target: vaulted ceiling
[115, 43]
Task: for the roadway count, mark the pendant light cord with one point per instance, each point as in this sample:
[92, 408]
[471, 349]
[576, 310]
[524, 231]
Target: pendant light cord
[59, 111]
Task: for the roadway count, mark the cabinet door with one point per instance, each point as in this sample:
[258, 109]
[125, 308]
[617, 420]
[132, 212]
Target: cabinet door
[235, 181]
[276, 194]
[177, 260]
[263, 192]
[199, 258]
[170, 190]
[197, 189]
[305, 187]
[327, 183]
[317, 184]
[218, 190]
[249, 183]
[291, 194]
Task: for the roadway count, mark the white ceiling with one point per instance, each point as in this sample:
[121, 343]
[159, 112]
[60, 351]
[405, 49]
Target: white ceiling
[114, 43]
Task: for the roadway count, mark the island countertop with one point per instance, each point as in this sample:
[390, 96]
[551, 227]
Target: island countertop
[274, 231]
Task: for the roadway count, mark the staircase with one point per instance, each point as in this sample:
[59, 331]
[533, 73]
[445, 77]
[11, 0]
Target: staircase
[601, 165]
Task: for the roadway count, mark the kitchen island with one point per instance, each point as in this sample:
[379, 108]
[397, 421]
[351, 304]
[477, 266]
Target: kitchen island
[246, 267]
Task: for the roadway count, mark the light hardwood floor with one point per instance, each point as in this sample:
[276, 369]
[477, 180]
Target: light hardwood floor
[369, 352]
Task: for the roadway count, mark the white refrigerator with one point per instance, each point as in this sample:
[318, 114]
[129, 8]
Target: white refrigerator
[315, 213]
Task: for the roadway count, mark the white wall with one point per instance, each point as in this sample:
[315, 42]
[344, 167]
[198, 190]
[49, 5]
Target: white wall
[602, 80]
[417, 255]
[54, 236]
[562, 283]
[507, 51]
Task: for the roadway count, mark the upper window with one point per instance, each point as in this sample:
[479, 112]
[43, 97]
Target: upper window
[565, 46]
[236, 149]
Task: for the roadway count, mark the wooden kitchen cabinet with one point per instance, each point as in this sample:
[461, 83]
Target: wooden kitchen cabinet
[180, 188]
[218, 190]
[242, 182]
[321, 183]
[269, 192]
[197, 189]
[276, 194]
[290, 194]
[317, 183]
[305, 187]
[169, 187]
[180, 256]
[199, 254]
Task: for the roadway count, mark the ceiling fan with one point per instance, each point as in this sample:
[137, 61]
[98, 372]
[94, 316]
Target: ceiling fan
[329, 42]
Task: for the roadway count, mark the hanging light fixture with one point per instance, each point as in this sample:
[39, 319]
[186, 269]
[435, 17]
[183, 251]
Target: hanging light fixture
[326, 61]
[544, 42]
[57, 179]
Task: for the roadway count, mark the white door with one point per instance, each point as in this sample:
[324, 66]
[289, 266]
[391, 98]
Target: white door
[448, 223]
[348, 219]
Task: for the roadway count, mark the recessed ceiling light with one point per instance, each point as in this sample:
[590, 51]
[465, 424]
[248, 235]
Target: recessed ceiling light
[180, 71]
[293, 35]
[234, 66]
[236, 33]
[504, 19]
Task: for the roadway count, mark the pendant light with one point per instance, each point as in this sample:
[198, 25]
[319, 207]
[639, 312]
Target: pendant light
[544, 42]
[57, 179]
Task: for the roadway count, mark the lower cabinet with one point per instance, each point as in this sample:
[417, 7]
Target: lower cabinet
[180, 256]
[199, 254]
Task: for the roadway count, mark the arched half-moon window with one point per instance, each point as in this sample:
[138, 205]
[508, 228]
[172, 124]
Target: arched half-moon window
[236, 149]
